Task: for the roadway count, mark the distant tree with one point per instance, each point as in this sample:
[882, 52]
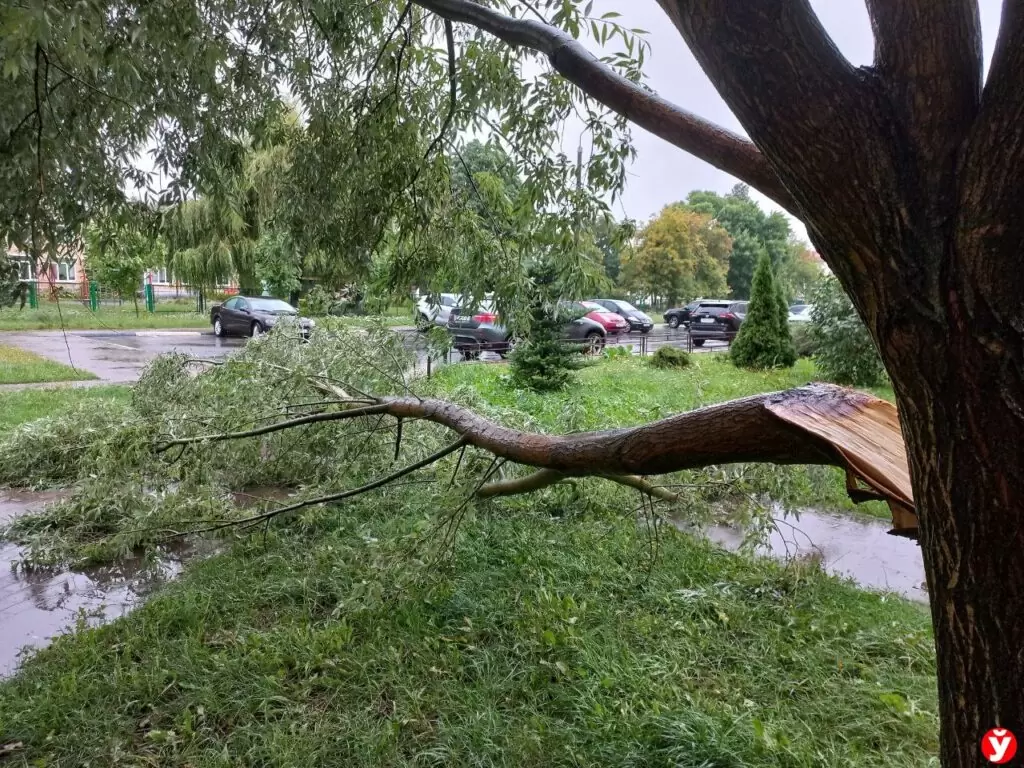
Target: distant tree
[117, 254]
[739, 215]
[543, 362]
[12, 289]
[764, 340]
[611, 237]
[801, 273]
[680, 254]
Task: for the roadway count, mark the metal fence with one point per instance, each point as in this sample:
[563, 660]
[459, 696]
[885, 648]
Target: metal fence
[637, 344]
[166, 297]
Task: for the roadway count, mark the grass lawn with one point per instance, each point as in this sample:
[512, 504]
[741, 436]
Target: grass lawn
[29, 404]
[19, 366]
[546, 637]
[76, 316]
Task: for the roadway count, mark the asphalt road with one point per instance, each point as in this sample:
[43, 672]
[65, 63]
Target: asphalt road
[120, 356]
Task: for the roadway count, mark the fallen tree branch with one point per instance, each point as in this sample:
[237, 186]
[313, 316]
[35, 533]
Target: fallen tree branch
[816, 424]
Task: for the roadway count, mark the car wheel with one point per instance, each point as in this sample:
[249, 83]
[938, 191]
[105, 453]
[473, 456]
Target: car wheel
[699, 342]
[594, 343]
[256, 330]
[470, 354]
[673, 322]
[510, 346]
[422, 323]
[218, 328]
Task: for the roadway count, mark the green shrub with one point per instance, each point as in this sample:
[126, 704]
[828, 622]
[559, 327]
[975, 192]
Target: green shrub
[803, 341]
[543, 362]
[670, 357]
[844, 350]
[764, 339]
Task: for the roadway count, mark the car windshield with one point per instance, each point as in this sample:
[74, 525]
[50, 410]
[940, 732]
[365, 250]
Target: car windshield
[592, 307]
[626, 306]
[270, 305]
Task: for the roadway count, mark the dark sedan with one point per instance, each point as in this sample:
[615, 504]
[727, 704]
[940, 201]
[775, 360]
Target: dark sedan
[681, 315]
[482, 332]
[253, 315]
[638, 321]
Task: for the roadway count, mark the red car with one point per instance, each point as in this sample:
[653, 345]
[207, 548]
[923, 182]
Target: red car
[611, 322]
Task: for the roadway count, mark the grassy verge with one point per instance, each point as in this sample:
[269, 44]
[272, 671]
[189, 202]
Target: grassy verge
[27, 405]
[545, 636]
[542, 643]
[629, 391]
[74, 316]
[19, 366]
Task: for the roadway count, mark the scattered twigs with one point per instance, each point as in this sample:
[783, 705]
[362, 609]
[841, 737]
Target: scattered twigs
[340, 496]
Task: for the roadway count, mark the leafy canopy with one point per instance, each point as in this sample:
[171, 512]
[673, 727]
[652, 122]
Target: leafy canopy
[105, 101]
[681, 254]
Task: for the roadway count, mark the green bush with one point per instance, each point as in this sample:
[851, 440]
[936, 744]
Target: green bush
[543, 362]
[803, 341]
[844, 350]
[670, 357]
[764, 339]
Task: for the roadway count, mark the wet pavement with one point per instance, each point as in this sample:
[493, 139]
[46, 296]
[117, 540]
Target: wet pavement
[118, 357]
[38, 604]
[858, 548]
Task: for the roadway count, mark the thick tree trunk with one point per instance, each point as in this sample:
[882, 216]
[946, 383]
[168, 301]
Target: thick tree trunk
[963, 421]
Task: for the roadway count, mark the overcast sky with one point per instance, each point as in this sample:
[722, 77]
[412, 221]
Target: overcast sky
[663, 174]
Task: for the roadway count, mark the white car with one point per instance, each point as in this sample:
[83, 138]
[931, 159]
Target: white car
[428, 313]
[801, 314]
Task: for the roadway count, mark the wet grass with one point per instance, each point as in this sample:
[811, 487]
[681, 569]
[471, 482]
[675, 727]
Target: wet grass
[22, 406]
[19, 366]
[73, 315]
[548, 636]
[544, 642]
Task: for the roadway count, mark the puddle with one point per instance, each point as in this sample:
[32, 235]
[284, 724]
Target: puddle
[38, 604]
[853, 547]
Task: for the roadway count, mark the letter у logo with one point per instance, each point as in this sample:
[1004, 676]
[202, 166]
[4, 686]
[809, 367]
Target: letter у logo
[999, 746]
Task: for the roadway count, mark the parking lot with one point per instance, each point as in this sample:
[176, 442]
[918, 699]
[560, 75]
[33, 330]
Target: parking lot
[120, 356]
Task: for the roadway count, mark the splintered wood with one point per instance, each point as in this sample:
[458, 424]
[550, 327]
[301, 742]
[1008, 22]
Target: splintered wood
[865, 434]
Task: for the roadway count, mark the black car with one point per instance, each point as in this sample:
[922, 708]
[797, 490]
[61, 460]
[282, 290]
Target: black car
[483, 331]
[719, 320]
[638, 321]
[681, 315]
[253, 315]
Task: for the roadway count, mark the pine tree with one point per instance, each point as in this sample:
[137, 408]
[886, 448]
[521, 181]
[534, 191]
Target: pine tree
[764, 340]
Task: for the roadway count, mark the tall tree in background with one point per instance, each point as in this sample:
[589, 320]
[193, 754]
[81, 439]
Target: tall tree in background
[909, 175]
[680, 254]
[761, 232]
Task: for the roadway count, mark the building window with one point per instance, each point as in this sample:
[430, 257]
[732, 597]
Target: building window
[66, 271]
[159, 275]
[26, 270]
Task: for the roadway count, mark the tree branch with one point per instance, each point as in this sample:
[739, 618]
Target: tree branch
[928, 54]
[813, 115]
[711, 143]
[341, 495]
[817, 424]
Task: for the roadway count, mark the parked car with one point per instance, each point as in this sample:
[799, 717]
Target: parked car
[719, 320]
[638, 321]
[428, 313]
[482, 332]
[611, 322]
[801, 313]
[253, 315]
[681, 315]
